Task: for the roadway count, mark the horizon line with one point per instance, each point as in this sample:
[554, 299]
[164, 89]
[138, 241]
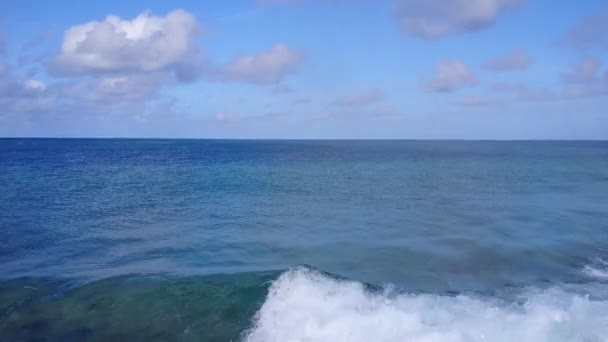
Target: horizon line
[310, 139]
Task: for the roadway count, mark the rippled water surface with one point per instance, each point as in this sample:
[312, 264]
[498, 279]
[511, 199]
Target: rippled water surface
[205, 240]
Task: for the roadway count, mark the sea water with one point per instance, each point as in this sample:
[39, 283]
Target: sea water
[236, 240]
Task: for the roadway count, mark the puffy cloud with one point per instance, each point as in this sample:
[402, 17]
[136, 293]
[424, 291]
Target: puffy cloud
[590, 31]
[431, 19]
[450, 76]
[266, 67]
[112, 67]
[118, 68]
[143, 44]
[360, 99]
[516, 60]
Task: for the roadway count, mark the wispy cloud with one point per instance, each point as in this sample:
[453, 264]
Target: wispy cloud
[480, 101]
[301, 100]
[517, 92]
[360, 99]
[224, 117]
[432, 19]
[265, 67]
[584, 71]
[584, 78]
[282, 89]
[591, 31]
[515, 60]
[450, 76]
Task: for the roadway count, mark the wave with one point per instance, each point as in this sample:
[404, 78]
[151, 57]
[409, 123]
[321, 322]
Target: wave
[300, 304]
[306, 305]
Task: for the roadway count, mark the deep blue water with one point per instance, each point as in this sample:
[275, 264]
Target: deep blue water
[415, 240]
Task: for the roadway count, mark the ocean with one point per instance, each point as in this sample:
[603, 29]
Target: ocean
[303, 240]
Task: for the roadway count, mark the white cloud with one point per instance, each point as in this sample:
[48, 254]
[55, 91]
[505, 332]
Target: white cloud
[515, 60]
[119, 67]
[450, 76]
[35, 85]
[431, 19]
[266, 67]
[114, 66]
[360, 99]
[223, 117]
[143, 44]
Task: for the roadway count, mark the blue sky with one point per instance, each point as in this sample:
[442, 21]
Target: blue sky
[447, 69]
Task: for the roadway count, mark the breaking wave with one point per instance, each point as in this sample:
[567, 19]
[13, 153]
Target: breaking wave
[306, 305]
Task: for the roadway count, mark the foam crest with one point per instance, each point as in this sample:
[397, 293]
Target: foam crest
[306, 305]
[598, 270]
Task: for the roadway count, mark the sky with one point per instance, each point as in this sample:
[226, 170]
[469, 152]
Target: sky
[305, 69]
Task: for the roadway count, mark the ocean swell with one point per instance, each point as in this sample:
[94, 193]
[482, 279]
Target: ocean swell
[306, 305]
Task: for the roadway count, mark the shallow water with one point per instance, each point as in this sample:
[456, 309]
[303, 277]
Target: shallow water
[187, 240]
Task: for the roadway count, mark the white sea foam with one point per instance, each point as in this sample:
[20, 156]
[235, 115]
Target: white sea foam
[598, 270]
[305, 305]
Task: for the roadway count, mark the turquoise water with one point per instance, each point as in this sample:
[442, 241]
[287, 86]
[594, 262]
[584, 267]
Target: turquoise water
[211, 240]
